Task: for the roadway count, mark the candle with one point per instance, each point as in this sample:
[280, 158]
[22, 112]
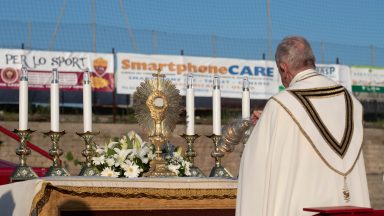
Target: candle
[87, 102]
[190, 106]
[245, 105]
[23, 99]
[55, 101]
[216, 106]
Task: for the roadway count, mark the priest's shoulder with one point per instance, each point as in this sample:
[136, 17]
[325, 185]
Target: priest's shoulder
[282, 94]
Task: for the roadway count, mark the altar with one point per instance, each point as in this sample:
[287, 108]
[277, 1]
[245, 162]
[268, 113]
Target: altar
[105, 196]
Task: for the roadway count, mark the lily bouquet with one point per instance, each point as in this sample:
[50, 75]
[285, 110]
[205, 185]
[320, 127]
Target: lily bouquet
[130, 156]
[126, 157]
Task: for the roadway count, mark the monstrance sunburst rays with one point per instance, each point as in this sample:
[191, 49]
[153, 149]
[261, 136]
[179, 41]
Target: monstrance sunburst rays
[157, 109]
[143, 113]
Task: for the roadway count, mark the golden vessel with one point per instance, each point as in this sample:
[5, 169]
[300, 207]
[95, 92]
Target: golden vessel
[157, 108]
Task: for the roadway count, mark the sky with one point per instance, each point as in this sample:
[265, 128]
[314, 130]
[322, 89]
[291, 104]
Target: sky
[351, 30]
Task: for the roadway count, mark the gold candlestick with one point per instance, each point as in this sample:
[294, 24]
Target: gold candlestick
[191, 154]
[88, 169]
[23, 171]
[56, 169]
[218, 170]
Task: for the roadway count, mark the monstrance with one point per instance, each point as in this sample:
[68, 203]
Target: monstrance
[157, 109]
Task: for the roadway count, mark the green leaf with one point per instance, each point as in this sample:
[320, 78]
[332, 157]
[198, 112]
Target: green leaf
[110, 152]
[69, 156]
[77, 162]
[130, 144]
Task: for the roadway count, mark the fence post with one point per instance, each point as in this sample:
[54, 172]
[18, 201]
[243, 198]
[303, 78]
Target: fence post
[114, 94]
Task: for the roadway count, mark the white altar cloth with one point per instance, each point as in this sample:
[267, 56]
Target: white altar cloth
[16, 199]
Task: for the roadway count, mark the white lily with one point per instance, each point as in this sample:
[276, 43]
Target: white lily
[112, 144]
[174, 168]
[121, 155]
[135, 139]
[98, 160]
[110, 161]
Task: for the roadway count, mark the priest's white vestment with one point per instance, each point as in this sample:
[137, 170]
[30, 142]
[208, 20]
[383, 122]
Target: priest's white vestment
[305, 151]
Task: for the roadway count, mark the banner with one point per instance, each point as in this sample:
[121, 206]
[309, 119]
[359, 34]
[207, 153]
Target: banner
[69, 64]
[338, 73]
[132, 69]
[367, 79]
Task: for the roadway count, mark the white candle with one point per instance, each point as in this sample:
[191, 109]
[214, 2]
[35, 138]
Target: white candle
[87, 102]
[23, 99]
[190, 106]
[245, 105]
[216, 106]
[55, 101]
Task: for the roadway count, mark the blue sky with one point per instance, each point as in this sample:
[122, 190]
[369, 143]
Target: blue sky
[336, 23]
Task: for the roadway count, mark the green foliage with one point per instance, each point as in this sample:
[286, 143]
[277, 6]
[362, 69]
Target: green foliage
[42, 110]
[70, 158]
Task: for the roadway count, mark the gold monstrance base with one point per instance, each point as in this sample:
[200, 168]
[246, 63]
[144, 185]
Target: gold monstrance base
[158, 166]
[159, 169]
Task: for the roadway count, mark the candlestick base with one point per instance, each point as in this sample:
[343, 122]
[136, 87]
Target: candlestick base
[89, 171]
[218, 170]
[23, 171]
[88, 168]
[56, 169]
[191, 154]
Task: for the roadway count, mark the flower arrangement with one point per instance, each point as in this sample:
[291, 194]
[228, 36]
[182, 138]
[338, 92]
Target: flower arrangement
[130, 156]
[175, 161]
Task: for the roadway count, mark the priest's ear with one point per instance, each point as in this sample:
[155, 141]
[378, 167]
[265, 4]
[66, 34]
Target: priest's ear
[282, 67]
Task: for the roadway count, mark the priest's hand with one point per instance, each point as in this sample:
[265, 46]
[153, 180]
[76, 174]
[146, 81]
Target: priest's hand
[256, 115]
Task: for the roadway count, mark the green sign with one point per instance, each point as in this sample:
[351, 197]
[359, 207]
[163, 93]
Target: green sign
[357, 88]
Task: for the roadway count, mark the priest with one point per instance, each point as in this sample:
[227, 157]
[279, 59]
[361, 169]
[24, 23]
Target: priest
[305, 150]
